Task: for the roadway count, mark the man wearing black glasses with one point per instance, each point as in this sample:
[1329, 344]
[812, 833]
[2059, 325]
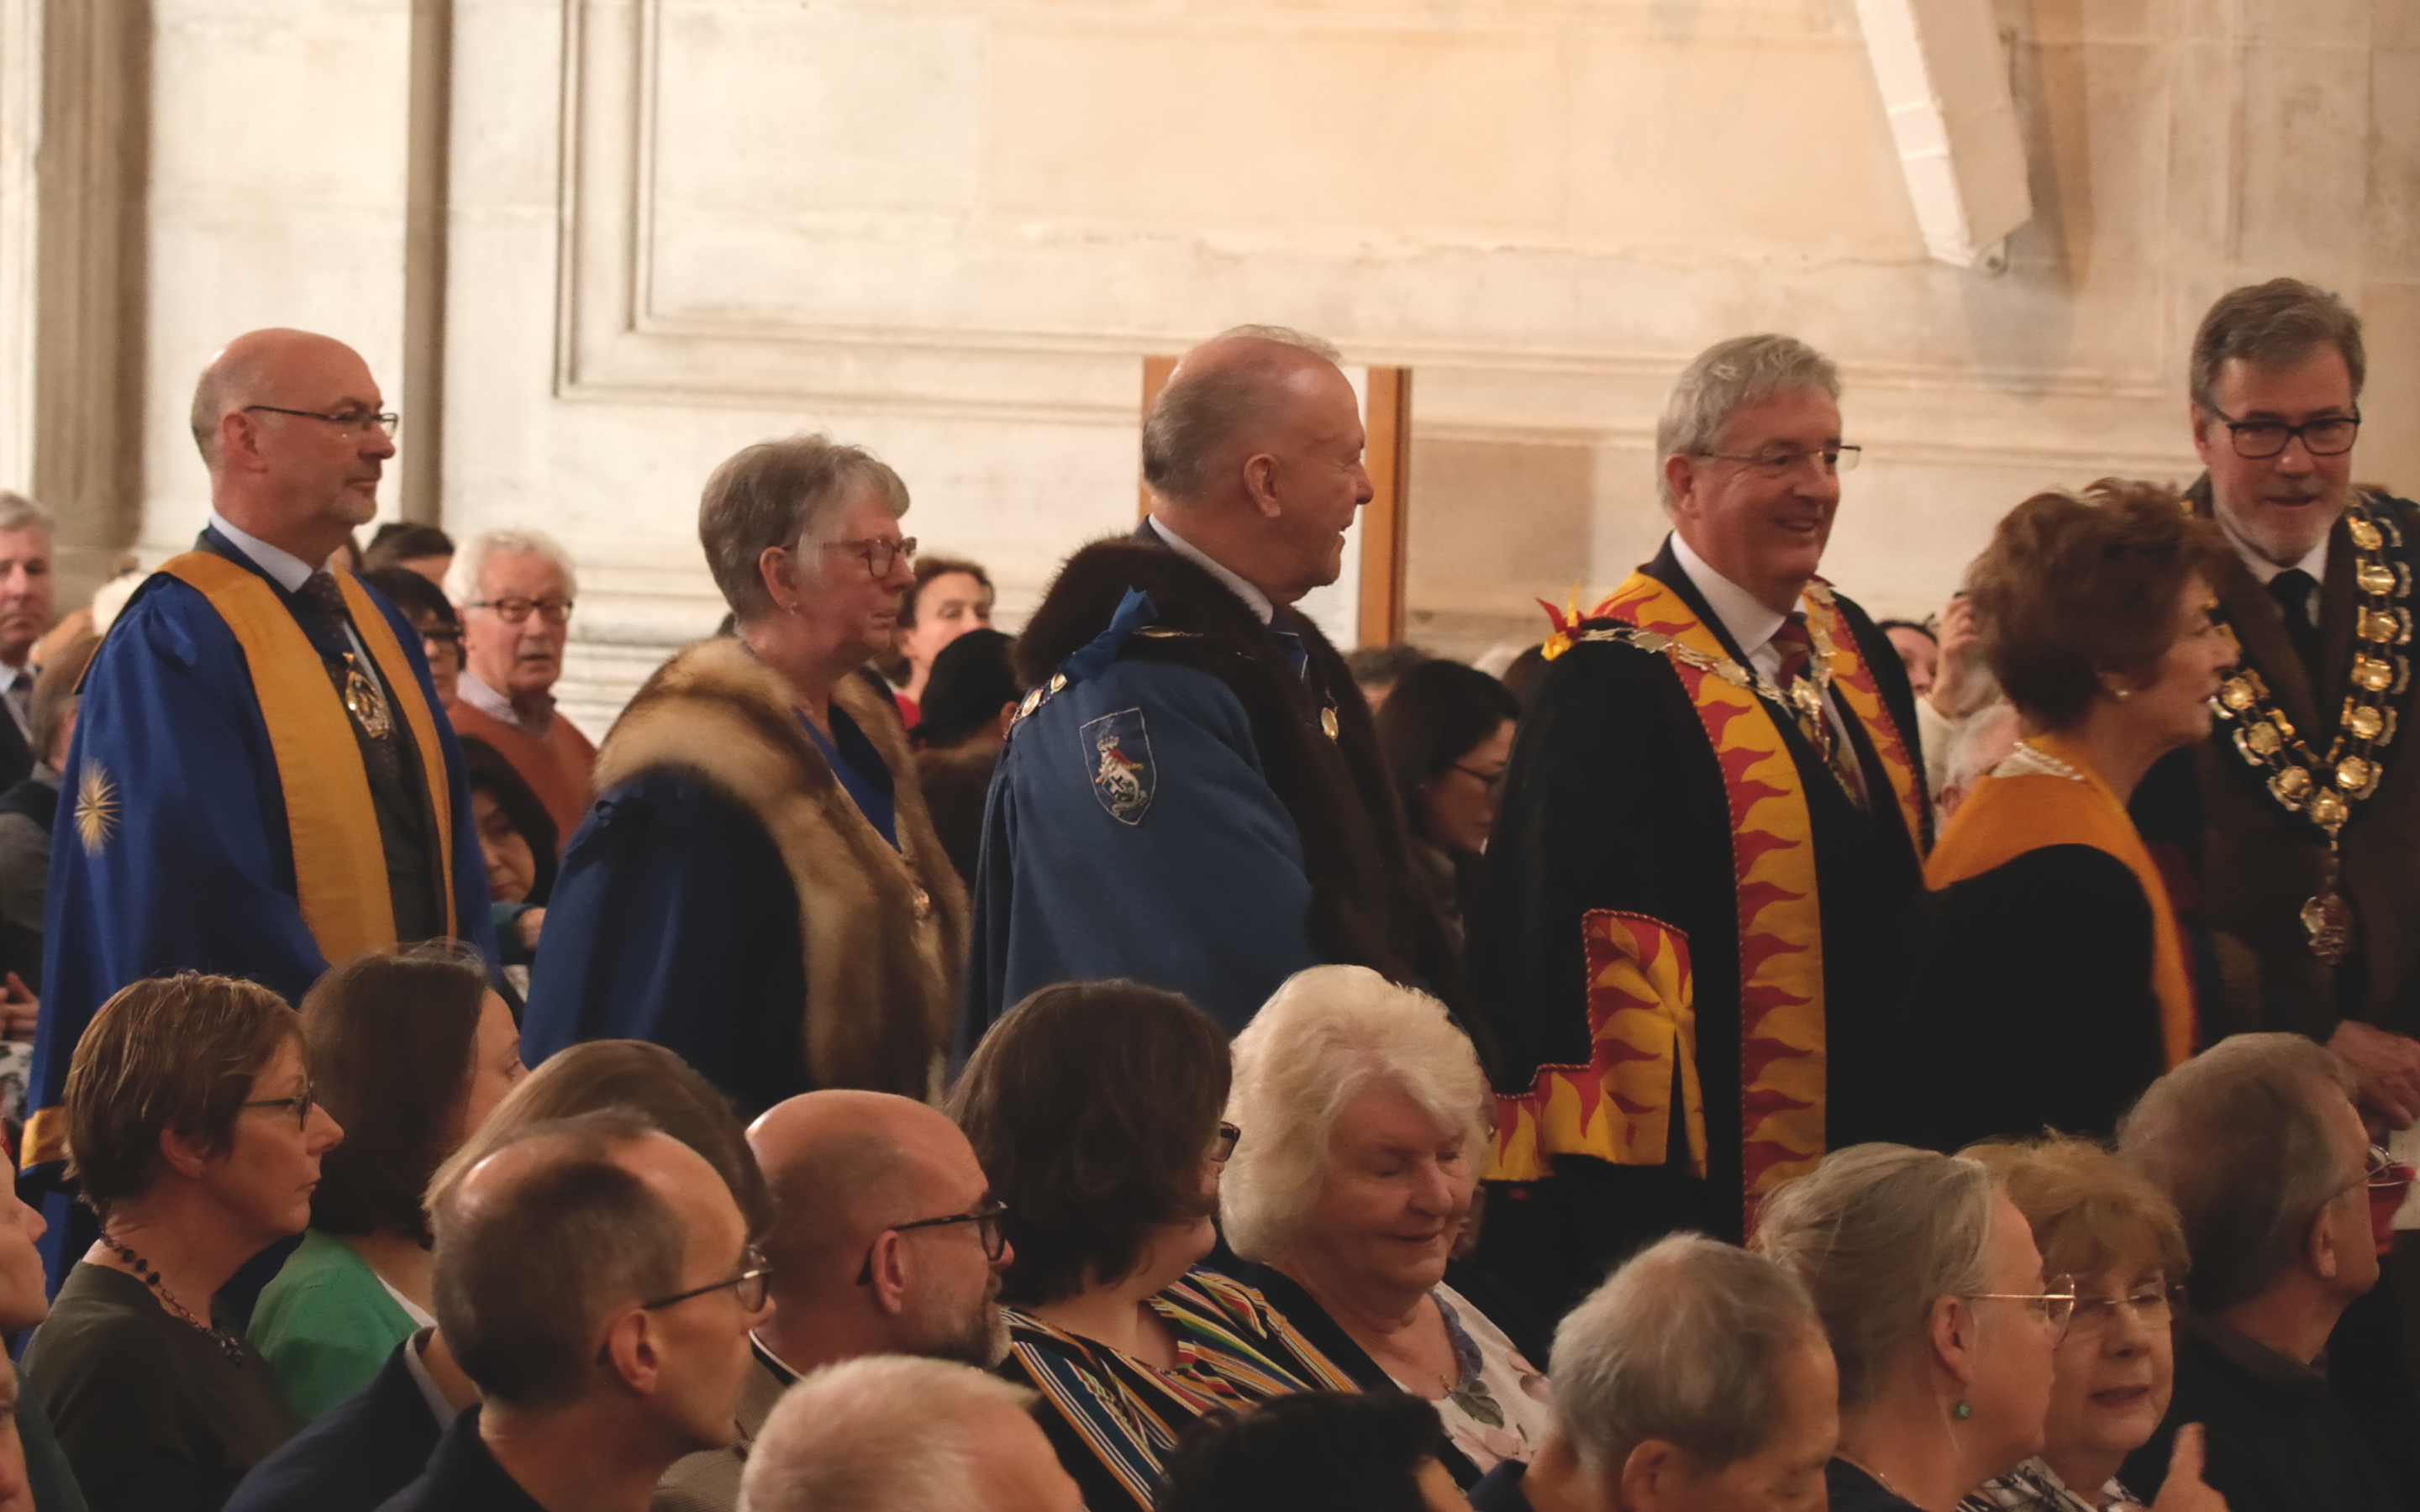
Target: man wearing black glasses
[261, 781]
[2303, 809]
[885, 1240]
[2308, 813]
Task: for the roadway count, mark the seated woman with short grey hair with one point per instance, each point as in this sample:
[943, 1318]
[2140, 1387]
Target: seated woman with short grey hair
[1942, 1327]
[1363, 1118]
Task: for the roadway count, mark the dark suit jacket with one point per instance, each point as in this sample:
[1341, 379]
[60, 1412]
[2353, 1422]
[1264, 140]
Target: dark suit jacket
[2278, 1441]
[462, 1477]
[356, 1455]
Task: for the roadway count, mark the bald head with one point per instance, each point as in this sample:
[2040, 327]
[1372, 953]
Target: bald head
[289, 424]
[842, 1166]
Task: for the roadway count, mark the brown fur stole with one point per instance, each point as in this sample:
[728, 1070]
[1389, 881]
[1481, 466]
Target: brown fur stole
[884, 931]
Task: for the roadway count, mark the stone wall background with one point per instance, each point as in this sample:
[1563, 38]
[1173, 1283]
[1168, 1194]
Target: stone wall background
[950, 228]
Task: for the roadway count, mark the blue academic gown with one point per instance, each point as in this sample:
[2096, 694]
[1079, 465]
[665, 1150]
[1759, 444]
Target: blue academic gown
[1198, 888]
[198, 870]
[674, 921]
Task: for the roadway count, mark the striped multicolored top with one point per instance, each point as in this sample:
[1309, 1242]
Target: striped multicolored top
[1232, 1351]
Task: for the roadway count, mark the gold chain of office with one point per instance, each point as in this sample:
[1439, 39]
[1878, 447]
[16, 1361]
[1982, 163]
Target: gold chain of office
[1804, 697]
[2325, 788]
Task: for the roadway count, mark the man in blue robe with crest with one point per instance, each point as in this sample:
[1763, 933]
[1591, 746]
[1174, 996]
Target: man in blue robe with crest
[261, 781]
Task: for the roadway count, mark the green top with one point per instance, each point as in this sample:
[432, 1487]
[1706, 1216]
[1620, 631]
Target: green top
[325, 1324]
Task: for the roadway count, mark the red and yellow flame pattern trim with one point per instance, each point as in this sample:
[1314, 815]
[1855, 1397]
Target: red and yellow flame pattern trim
[1641, 1003]
[1618, 1106]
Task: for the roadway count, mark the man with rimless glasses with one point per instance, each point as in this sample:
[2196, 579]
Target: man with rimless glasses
[261, 779]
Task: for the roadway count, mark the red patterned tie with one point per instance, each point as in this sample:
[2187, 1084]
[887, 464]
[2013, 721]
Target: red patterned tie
[1798, 648]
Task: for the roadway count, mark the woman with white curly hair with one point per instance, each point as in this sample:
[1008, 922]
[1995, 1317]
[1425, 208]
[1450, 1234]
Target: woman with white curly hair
[1363, 1116]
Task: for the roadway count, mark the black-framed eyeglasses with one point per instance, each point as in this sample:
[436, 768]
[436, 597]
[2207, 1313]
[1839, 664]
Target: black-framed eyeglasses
[518, 610]
[1781, 461]
[383, 420]
[880, 555]
[1222, 1144]
[2054, 1305]
[988, 1228]
[438, 635]
[2256, 440]
[753, 1284]
[302, 1105]
[1493, 781]
[2153, 1306]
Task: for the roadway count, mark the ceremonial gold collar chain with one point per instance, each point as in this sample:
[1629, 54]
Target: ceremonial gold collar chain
[1804, 697]
[2324, 787]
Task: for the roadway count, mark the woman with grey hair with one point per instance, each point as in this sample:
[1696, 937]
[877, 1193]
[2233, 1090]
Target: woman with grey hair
[1362, 1120]
[759, 886]
[1930, 1288]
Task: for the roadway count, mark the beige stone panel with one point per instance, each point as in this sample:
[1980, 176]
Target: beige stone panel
[2266, 23]
[2205, 99]
[277, 198]
[765, 112]
[1435, 132]
[2393, 25]
[2304, 161]
[1490, 519]
[2394, 164]
[2389, 452]
[1735, 142]
[2100, 127]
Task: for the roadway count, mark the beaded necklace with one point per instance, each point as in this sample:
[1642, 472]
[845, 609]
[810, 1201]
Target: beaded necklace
[150, 1276]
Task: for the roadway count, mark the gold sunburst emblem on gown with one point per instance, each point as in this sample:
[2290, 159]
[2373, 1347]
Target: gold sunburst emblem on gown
[95, 808]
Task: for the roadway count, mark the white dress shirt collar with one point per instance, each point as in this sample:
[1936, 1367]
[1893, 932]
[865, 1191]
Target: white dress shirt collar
[287, 570]
[2264, 570]
[1254, 598]
[1751, 623]
[469, 689]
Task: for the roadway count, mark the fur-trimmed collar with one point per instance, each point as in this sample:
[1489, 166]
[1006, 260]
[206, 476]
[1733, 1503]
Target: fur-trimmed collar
[884, 931]
[1099, 575]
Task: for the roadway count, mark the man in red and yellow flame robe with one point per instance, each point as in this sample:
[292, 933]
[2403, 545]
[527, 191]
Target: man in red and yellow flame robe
[1712, 817]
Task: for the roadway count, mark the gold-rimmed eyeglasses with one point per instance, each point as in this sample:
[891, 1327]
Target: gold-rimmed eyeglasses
[2152, 1305]
[2054, 1305]
[518, 610]
[1781, 461]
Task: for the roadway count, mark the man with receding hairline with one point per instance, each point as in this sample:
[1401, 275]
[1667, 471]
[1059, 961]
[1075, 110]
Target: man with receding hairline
[594, 1277]
[261, 781]
[885, 1240]
[1194, 797]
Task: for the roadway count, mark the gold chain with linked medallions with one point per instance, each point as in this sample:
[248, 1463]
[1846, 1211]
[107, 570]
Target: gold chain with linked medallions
[2324, 787]
[1802, 698]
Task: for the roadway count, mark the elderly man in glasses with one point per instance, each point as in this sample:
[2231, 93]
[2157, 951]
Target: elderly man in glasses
[261, 779]
[515, 590]
[593, 1277]
[1711, 818]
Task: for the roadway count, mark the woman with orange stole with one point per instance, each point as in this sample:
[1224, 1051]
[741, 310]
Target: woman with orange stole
[2044, 980]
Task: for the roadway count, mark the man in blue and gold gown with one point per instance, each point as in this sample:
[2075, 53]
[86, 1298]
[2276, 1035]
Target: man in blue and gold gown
[261, 782]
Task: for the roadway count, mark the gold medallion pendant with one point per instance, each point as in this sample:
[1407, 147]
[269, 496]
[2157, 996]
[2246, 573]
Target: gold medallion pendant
[365, 702]
[2324, 785]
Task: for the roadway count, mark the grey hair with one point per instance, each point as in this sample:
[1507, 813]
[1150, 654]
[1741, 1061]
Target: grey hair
[18, 513]
[879, 1433]
[1684, 1343]
[788, 493]
[2236, 1137]
[1326, 1037]
[2271, 326]
[1725, 377]
[1879, 1233]
[1202, 411]
[462, 577]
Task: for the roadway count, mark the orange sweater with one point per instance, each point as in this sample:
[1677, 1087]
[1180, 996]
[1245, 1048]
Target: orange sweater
[558, 768]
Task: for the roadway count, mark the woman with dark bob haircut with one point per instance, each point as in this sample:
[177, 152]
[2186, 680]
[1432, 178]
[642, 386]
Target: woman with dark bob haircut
[193, 1133]
[376, 1443]
[412, 1051]
[1447, 733]
[2044, 982]
[1093, 1108]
